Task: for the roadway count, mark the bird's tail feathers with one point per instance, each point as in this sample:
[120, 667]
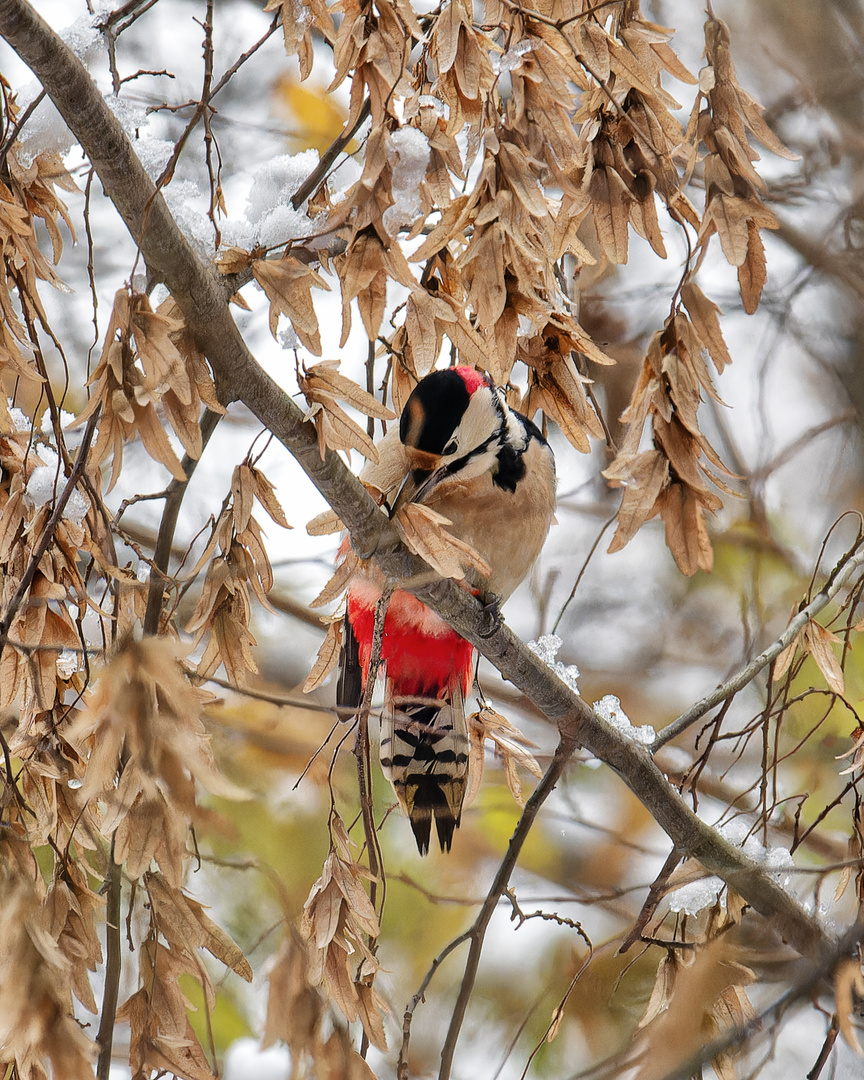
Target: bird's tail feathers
[424, 754]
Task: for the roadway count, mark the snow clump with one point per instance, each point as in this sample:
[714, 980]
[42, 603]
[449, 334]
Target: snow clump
[47, 481]
[268, 208]
[608, 708]
[698, 895]
[546, 649]
[408, 153]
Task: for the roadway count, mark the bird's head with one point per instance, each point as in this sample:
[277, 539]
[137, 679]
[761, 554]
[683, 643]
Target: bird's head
[454, 425]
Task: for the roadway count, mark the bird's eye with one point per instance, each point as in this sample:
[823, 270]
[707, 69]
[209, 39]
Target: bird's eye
[450, 448]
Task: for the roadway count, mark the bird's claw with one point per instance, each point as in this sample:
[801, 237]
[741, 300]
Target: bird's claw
[491, 618]
[363, 553]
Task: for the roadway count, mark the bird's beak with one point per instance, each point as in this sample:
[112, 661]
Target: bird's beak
[427, 472]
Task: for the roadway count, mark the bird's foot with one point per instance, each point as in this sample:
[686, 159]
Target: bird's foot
[491, 619]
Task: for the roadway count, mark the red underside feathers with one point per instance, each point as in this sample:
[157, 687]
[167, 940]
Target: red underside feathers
[419, 663]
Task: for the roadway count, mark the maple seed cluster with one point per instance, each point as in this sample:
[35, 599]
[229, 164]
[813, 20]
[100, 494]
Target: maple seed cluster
[110, 744]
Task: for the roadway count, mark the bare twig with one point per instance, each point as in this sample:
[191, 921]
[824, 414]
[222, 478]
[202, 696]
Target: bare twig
[837, 579]
[173, 499]
[655, 895]
[402, 1067]
[316, 178]
[105, 1037]
[201, 297]
[477, 932]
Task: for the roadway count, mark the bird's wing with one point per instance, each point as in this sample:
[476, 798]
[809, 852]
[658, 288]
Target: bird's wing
[349, 686]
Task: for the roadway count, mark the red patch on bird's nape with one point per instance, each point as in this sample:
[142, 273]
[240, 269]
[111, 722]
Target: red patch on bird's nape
[472, 378]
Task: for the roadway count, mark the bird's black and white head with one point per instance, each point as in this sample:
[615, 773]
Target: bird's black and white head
[457, 426]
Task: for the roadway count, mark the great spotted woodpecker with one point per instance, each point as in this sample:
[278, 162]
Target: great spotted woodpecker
[460, 450]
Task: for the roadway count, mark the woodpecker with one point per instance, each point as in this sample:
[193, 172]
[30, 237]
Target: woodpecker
[460, 450]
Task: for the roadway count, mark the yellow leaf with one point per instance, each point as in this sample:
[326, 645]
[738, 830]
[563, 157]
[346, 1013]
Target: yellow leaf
[315, 117]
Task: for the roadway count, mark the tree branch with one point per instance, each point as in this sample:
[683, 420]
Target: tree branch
[477, 932]
[201, 297]
[847, 566]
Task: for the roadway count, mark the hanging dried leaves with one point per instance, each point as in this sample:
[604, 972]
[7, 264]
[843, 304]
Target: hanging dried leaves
[338, 917]
[670, 479]
[423, 531]
[733, 189]
[161, 1035]
[510, 747]
[146, 748]
[818, 641]
[148, 360]
[288, 284]
[27, 193]
[37, 1023]
[223, 613]
[698, 995]
[47, 618]
[323, 387]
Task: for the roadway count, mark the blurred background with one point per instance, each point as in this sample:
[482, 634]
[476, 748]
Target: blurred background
[789, 427]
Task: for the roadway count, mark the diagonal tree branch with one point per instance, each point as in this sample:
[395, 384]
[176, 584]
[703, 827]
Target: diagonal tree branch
[202, 298]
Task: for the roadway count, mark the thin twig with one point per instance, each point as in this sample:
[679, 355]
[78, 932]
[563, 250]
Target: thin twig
[113, 963]
[361, 744]
[173, 499]
[844, 570]
[402, 1066]
[364, 774]
[316, 178]
[18, 125]
[583, 568]
[655, 895]
[478, 931]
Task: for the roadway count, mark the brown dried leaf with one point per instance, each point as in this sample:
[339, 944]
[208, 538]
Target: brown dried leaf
[610, 202]
[266, 495]
[818, 641]
[784, 659]
[295, 1009]
[288, 284]
[686, 533]
[327, 657]
[423, 532]
[848, 986]
[325, 376]
[233, 259]
[662, 989]
[703, 314]
[371, 1010]
[753, 272]
[511, 746]
[325, 524]
[336, 429]
[339, 582]
[644, 478]
[184, 925]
